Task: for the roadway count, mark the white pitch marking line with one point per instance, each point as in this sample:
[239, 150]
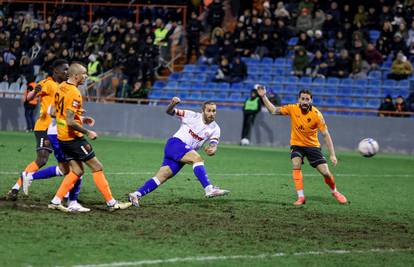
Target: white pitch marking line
[260, 256]
[247, 174]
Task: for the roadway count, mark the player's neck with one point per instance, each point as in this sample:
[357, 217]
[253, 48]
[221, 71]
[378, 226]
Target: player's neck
[72, 81]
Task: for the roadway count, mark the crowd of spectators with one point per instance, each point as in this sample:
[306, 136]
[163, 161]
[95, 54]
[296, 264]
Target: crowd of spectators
[29, 45]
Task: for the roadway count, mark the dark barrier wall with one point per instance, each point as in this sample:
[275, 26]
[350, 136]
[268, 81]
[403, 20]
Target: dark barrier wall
[393, 134]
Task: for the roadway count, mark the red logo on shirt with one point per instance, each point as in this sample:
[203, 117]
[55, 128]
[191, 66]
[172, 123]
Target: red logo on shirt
[194, 135]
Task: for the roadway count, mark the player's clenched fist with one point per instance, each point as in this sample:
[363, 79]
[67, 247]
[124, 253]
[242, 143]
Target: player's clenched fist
[175, 100]
[261, 90]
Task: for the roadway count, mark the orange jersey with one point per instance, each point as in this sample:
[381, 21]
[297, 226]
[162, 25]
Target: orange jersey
[46, 97]
[304, 127]
[68, 97]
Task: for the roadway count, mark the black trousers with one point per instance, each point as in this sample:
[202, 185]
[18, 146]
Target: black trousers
[29, 112]
[248, 121]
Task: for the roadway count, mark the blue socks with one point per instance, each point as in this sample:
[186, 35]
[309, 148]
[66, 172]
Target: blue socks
[149, 186]
[48, 172]
[201, 174]
[74, 192]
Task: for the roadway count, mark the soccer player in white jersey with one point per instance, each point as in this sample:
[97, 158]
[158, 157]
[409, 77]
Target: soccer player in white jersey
[196, 129]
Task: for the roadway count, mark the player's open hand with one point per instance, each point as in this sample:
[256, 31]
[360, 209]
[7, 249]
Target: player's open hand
[92, 135]
[88, 121]
[261, 90]
[334, 160]
[175, 100]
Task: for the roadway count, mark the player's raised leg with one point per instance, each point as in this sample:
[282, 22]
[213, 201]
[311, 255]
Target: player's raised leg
[330, 181]
[298, 179]
[192, 157]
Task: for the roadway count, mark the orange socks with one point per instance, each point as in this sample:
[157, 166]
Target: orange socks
[330, 181]
[32, 167]
[102, 184]
[298, 179]
[66, 185]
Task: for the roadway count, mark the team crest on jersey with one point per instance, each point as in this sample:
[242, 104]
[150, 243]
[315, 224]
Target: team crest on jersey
[75, 104]
[309, 119]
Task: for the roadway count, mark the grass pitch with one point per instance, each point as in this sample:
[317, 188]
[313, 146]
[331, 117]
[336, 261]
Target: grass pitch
[256, 225]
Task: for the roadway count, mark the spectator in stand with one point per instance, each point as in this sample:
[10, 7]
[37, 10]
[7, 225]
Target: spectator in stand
[343, 64]
[372, 19]
[277, 46]
[373, 57]
[410, 34]
[410, 102]
[26, 68]
[332, 69]
[386, 106]
[318, 43]
[223, 71]
[308, 4]
[304, 41]
[149, 58]
[3, 70]
[141, 91]
[401, 106]
[401, 68]
[300, 62]
[318, 67]
[340, 42]
[398, 44]
[242, 45]
[360, 68]
[358, 43]
[318, 21]
[132, 66]
[304, 21]
[210, 54]
[12, 71]
[215, 14]
[30, 107]
[238, 71]
[227, 50]
[361, 16]
[281, 11]
[123, 90]
[194, 29]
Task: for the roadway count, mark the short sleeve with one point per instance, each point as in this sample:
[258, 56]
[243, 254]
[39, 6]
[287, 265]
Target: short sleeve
[74, 102]
[184, 114]
[215, 135]
[321, 123]
[285, 110]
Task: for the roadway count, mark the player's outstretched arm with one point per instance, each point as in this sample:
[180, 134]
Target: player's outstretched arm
[70, 120]
[329, 143]
[170, 109]
[261, 90]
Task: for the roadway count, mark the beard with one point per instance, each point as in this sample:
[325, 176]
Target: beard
[305, 107]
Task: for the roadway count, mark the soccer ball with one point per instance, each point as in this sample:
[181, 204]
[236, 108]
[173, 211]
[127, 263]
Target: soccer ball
[368, 147]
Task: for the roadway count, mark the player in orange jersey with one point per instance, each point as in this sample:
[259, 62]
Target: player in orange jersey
[45, 89]
[306, 120]
[68, 110]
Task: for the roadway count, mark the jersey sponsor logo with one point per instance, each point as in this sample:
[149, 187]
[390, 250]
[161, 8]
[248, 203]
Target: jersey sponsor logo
[195, 136]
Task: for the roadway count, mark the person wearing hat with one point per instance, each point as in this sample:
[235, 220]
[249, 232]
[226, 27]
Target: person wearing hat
[401, 68]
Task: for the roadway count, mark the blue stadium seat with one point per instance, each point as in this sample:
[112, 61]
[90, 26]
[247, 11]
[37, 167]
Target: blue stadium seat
[154, 94]
[374, 92]
[279, 80]
[359, 91]
[171, 85]
[289, 99]
[344, 102]
[331, 90]
[360, 83]
[306, 81]
[174, 76]
[237, 87]
[158, 85]
[347, 82]
[195, 96]
[375, 75]
[330, 101]
[220, 96]
[4, 86]
[344, 91]
[293, 41]
[236, 97]
[374, 35]
[373, 103]
[358, 103]
[332, 81]
[403, 84]
[190, 68]
[374, 84]
[318, 91]
[292, 80]
[318, 81]
[317, 100]
[207, 96]
[223, 86]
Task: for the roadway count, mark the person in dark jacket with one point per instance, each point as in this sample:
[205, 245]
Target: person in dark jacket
[238, 71]
[193, 36]
[251, 108]
[386, 106]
